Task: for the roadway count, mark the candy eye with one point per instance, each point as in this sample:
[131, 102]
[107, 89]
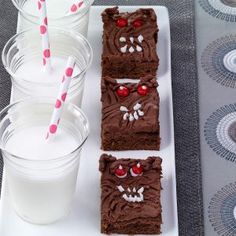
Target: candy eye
[136, 170]
[120, 172]
[142, 90]
[137, 23]
[121, 22]
[122, 91]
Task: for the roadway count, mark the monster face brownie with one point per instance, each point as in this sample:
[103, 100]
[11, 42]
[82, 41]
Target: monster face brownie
[130, 114]
[129, 43]
[130, 199]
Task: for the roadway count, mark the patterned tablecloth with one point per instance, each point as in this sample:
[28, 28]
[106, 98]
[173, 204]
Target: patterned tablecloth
[216, 47]
[207, 93]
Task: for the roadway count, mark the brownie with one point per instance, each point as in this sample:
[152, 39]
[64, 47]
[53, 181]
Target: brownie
[130, 195]
[130, 114]
[129, 43]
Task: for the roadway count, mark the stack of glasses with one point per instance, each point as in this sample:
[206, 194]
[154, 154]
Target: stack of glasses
[41, 157]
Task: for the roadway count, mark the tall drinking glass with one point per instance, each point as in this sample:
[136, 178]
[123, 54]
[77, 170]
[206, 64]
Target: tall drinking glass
[41, 175]
[22, 58]
[65, 14]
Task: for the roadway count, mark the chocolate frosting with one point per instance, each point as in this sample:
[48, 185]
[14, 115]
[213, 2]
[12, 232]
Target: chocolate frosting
[115, 209]
[112, 33]
[112, 117]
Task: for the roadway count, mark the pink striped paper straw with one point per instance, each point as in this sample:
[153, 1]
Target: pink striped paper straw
[75, 7]
[44, 34]
[61, 97]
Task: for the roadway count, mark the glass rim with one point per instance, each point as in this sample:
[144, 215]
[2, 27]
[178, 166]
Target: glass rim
[72, 34]
[45, 100]
[90, 2]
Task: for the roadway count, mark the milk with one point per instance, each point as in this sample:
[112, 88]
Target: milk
[58, 12]
[42, 197]
[32, 80]
[55, 8]
[30, 143]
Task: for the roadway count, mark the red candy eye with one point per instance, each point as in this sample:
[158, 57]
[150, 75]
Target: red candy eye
[120, 172]
[137, 23]
[121, 22]
[122, 91]
[136, 170]
[142, 90]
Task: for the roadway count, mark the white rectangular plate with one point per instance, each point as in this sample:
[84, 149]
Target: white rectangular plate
[84, 218]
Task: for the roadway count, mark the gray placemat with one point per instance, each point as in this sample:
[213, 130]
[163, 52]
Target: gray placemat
[185, 97]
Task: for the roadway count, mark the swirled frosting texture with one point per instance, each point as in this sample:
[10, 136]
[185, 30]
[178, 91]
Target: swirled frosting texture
[128, 50]
[121, 216]
[131, 122]
[112, 116]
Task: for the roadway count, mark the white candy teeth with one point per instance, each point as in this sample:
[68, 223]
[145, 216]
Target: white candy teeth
[130, 197]
[125, 116]
[120, 188]
[122, 39]
[134, 199]
[136, 115]
[137, 106]
[131, 118]
[124, 49]
[141, 190]
[131, 49]
[140, 38]
[141, 113]
[139, 49]
[141, 197]
[123, 108]
[126, 197]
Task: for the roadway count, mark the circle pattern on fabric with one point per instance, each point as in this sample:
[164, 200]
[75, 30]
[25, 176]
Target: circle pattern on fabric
[231, 3]
[224, 128]
[220, 9]
[219, 61]
[220, 132]
[221, 210]
[230, 61]
[232, 131]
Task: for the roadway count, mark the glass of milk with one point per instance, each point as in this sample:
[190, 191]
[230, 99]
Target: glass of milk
[41, 175]
[22, 58]
[65, 14]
